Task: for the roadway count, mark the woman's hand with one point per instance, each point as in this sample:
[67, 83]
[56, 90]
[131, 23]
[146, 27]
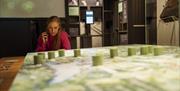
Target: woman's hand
[44, 37]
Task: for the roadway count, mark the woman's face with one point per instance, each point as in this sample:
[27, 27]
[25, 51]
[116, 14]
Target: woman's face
[53, 28]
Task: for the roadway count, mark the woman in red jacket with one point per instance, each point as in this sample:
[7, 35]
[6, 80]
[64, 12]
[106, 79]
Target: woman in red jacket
[54, 37]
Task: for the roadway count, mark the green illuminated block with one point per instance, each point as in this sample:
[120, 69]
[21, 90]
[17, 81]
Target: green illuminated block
[150, 49]
[158, 51]
[42, 53]
[144, 50]
[97, 60]
[131, 51]
[61, 53]
[77, 52]
[38, 59]
[113, 52]
[51, 55]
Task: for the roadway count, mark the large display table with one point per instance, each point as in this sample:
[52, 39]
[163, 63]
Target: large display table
[143, 71]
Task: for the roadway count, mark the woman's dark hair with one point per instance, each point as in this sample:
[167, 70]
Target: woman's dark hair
[56, 41]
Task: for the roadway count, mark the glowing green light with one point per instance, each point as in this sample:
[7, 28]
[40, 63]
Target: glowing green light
[28, 6]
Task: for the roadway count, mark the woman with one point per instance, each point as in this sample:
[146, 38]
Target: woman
[54, 37]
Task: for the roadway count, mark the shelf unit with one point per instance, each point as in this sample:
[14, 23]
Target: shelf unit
[123, 22]
[108, 22]
[76, 27]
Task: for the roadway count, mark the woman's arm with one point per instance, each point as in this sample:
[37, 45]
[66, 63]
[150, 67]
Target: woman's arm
[42, 40]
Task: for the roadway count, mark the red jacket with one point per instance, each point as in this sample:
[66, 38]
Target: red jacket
[64, 40]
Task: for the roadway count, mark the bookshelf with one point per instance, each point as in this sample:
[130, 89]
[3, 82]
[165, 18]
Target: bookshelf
[123, 22]
[80, 36]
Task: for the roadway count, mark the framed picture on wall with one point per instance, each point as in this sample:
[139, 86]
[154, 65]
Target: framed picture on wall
[73, 11]
[89, 17]
[120, 7]
[73, 2]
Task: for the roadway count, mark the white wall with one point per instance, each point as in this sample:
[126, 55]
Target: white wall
[164, 30]
[32, 8]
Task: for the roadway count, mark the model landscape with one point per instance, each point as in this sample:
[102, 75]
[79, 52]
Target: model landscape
[116, 68]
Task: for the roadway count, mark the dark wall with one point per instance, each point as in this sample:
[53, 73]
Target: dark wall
[151, 21]
[136, 13]
[15, 37]
[108, 22]
[18, 36]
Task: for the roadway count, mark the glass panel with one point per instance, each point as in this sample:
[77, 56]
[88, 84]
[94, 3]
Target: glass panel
[162, 25]
[150, 13]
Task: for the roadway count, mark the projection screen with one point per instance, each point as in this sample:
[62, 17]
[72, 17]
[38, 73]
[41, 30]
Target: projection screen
[32, 8]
